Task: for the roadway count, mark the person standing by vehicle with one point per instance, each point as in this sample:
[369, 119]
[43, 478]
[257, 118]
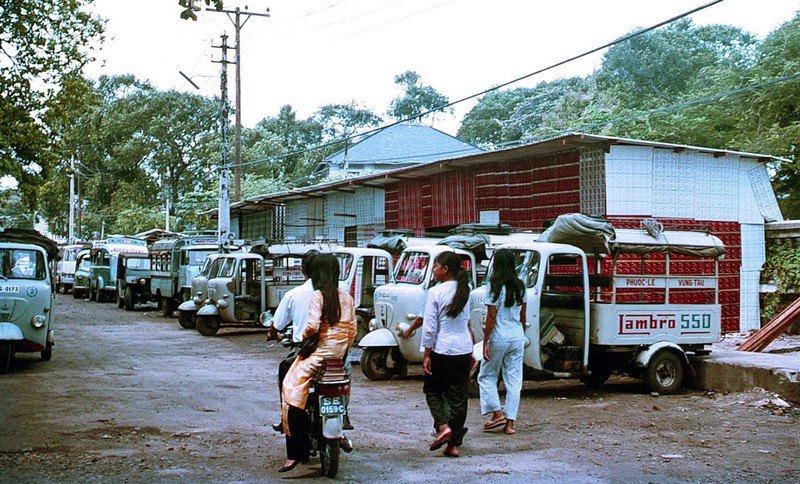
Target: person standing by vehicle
[293, 309]
[447, 339]
[332, 315]
[503, 343]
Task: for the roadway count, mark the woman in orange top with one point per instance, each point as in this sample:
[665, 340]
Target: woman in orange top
[332, 314]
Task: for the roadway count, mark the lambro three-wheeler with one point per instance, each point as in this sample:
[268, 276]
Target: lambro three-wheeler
[636, 301]
[26, 294]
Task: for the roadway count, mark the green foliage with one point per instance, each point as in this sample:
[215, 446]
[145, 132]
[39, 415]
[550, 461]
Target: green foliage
[416, 99]
[43, 45]
[485, 124]
[192, 6]
[782, 267]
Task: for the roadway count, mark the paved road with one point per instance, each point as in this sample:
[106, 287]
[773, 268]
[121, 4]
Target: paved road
[130, 396]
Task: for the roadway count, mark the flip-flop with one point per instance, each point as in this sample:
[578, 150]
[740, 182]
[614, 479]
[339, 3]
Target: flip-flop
[493, 424]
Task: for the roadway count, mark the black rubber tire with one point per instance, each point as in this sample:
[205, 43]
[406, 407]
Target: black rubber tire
[207, 325]
[373, 363]
[92, 294]
[166, 307]
[329, 457]
[664, 373]
[130, 299]
[76, 294]
[47, 352]
[187, 319]
[6, 356]
[120, 297]
[598, 376]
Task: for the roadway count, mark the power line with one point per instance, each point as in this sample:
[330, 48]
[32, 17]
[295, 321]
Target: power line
[492, 89]
[394, 21]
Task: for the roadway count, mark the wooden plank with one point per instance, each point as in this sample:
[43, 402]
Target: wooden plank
[766, 335]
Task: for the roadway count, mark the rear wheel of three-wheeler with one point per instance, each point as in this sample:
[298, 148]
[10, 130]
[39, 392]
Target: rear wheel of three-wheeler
[187, 319]
[664, 373]
[599, 375]
[166, 307]
[47, 352]
[6, 356]
[130, 298]
[207, 325]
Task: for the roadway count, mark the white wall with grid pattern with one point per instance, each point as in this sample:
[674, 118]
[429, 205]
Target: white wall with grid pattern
[753, 257]
[363, 208]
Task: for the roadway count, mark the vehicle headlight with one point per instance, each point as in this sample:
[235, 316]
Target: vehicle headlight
[38, 321]
[222, 303]
[197, 300]
[142, 281]
[411, 316]
[372, 324]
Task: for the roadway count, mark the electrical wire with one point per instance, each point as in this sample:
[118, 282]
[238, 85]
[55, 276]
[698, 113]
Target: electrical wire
[394, 21]
[485, 91]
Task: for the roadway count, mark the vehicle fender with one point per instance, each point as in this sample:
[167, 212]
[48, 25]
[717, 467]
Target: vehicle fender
[333, 427]
[379, 337]
[101, 283]
[208, 310]
[188, 306]
[643, 358]
[10, 332]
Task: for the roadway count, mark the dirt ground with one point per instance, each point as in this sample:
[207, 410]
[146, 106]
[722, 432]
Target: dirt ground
[132, 397]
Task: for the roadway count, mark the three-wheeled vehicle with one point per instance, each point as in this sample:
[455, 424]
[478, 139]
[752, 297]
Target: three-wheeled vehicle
[187, 311]
[639, 302]
[65, 267]
[83, 264]
[26, 294]
[133, 280]
[174, 262]
[248, 284]
[103, 269]
[360, 272]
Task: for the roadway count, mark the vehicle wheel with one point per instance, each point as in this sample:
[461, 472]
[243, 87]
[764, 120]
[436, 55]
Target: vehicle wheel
[329, 457]
[47, 352]
[373, 363]
[6, 356]
[207, 325]
[598, 376]
[130, 298]
[187, 319]
[92, 294]
[474, 388]
[120, 298]
[166, 307]
[76, 294]
[664, 373]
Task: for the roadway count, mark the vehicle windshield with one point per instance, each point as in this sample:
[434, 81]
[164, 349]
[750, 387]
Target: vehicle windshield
[207, 266]
[85, 264]
[227, 267]
[196, 257]
[411, 267]
[69, 255]
[527, 264]
[345, 265]
[23, 264]
[137, 263]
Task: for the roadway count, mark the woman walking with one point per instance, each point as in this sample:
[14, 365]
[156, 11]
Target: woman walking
[331, 313]
[503, 342]
[447, 340]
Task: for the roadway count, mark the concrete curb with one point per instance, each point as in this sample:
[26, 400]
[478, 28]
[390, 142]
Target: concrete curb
[737, 371]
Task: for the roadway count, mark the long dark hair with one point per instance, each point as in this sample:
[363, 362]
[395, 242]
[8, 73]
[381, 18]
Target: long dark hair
[452, 261]
[325, 277]
[504, 274]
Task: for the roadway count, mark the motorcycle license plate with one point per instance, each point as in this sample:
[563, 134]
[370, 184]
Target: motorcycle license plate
[331, 405]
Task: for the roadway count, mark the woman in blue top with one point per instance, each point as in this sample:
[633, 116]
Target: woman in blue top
[503, 342]
[447, 339]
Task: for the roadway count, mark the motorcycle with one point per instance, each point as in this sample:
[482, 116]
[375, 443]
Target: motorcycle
[326, 411]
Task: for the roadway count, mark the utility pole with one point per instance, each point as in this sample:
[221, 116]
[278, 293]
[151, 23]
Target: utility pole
[238, 23]
[224, 211]
[71, 236]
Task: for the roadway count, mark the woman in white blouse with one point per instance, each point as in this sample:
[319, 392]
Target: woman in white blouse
[447, 340]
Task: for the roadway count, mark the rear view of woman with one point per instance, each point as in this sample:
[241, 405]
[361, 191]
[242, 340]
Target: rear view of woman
[503, 342]
[332, 315]
[447, 339]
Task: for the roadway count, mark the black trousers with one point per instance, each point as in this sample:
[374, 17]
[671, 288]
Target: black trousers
[447, 392]
[283, 369]
[297, 445]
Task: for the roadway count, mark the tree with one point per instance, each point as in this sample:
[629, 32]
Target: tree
[42, 44]
[293, 137]
[192, 6]
[483, 125]
[343, 120]
[549, 107]
[417, 99]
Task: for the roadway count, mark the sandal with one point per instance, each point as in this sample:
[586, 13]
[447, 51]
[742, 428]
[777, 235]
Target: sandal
[493, 424]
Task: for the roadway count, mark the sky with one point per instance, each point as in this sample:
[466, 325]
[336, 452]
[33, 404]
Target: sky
[312, 53]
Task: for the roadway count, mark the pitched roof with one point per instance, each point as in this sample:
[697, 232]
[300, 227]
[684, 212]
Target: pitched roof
[403, 144]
